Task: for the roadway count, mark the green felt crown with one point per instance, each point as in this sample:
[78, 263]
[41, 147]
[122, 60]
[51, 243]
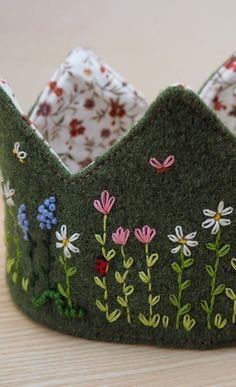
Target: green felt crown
[139, 246]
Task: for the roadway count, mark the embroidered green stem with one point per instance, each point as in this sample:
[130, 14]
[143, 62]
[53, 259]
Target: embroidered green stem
[215, 289]
[177, 300]
[153, 319]
[127, 289]
[231, 294]
[108, 255]
[16, 260]
[69, 272]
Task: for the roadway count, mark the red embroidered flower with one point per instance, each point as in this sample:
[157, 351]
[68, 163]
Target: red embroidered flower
[89, 103]
[231, 64]
[105, 133]
[76, 128]
[117, 110]
[217, 105]
[44, 109]
[102, 267]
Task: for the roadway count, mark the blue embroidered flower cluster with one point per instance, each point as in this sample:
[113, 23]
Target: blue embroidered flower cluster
[46, 214]
[23, 221]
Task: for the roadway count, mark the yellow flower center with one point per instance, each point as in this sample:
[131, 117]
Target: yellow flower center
[65, 242]
[182, 241]
[217, 217]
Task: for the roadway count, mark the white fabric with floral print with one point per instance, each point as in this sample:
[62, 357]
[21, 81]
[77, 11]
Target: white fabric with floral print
[85, 108]
[219, 93]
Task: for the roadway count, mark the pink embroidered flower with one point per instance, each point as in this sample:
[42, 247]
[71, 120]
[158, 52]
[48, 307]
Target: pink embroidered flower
[145, 235]
[105, 204]
[121, 236]
[160, 167]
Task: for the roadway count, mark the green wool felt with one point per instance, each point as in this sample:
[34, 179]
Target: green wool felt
[177, 123]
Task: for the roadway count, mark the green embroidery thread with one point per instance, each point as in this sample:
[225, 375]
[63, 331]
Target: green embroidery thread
[231, 294]
[69, 272]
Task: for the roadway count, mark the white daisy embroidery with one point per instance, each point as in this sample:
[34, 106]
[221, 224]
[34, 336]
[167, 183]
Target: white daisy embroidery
[21, 155]
[216, 218]
[185, 241]
[66, 242]
[8, 194]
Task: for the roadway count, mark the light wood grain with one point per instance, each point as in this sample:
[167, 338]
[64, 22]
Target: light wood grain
[153, 43]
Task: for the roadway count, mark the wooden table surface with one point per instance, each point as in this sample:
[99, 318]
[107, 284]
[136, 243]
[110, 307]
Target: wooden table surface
[153, 44]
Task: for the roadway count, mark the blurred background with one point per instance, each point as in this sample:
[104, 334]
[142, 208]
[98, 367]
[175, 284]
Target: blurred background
[151, 43]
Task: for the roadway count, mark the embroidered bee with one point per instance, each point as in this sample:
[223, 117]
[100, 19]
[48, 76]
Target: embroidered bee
[21, 155]
[160, 167]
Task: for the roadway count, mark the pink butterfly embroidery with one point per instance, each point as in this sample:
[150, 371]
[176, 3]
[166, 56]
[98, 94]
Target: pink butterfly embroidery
[162, 167]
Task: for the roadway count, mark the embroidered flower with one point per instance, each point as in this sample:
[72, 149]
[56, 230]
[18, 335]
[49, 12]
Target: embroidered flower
[102, 267]
[46, 214]
[23, 221]
[160, 167]
[145, 235]
[185, 241]
[105, 204]
[65, 242]
[216, 219]
[21, 155]
[117, 110]
[8, 194]
[121, 236]
[76, 128]
[44, 109]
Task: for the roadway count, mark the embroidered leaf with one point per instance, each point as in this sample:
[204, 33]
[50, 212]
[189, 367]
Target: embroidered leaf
[175, 266]
[220, 288]
[144, 320]
[125, 275]
[152, 259]
[219, 323]
[128, 289]
[62, 260]
[128, 263]
[144, 277]
[99, 239]
[224, 250]
[211, 246]
[188, 323]
[100, 306]
[230, 293]
[165, 321]
[205, 306]
[122, 302]
[173, 299]
[153, 300]
[14, 277]
[185, 284]
[233, 263]
[25, 284]
[156, 320]
[114, 315]
[210, 270]
[188, 262]
[99, 282]
[9, 264]
[61, 290]
[111, 253]
[71, 271]
[119, 278]
[185, 309]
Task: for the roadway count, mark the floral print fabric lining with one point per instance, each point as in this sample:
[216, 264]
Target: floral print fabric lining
[85, 108]
[219, 93]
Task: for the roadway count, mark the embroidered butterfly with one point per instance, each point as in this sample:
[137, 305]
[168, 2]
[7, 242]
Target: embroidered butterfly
[160, 167]
[21, 155]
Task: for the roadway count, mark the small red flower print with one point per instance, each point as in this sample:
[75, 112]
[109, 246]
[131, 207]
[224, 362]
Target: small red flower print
[58, 91]
[160, 167]
[105, 133]
[44, 109]
[231, 64]
[117, 110]
[76, 128]
[217, 105]
[88, 72]
[145, 235]
[102, 267]
[52, 85]
[89, 103]
[85, 162]
[102, 69]
[105, 204]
